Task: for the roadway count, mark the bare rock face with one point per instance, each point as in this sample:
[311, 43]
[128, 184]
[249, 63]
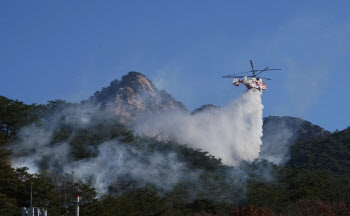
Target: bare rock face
[135, 95]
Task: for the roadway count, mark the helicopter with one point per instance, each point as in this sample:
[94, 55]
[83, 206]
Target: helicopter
[252, 81]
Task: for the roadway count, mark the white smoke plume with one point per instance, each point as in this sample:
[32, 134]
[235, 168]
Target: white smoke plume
[115, 162]
[277, 140]
[232, 133]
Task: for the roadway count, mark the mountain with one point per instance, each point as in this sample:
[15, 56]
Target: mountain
[282, 131]
[328, 154]
[135, 94]
[207, 107]
[142, 174]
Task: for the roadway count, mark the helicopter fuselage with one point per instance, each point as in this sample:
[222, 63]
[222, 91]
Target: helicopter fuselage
[253, 82]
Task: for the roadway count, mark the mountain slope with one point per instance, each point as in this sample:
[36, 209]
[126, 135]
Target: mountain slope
[327, 154]
[281, 131]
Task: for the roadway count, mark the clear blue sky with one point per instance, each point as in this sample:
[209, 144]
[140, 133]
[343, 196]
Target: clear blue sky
[69, 49]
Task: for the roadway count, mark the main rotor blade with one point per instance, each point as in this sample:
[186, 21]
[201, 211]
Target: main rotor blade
[230, 76]
[260, 77]
[251, 64]
[267, 70]
[263, 70]
[243, 72]
[274, 69]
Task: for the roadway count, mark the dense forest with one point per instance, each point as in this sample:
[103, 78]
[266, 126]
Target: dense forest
[314, 181]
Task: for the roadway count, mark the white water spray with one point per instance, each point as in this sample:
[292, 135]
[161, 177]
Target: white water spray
[232, 133]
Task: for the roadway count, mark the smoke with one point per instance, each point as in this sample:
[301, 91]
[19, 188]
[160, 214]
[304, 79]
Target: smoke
[276, 143]
[34, 147]
[112, 162]
[281, 132]
[116, 163]
[121, 163]
[232, 133]
[112, 166]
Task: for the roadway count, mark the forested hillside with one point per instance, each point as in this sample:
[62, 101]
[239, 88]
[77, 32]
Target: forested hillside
[157, 178]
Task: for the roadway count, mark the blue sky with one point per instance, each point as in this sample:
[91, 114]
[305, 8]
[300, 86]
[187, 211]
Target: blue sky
[70, 49]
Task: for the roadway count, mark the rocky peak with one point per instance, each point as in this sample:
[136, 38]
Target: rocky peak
[135, 94]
